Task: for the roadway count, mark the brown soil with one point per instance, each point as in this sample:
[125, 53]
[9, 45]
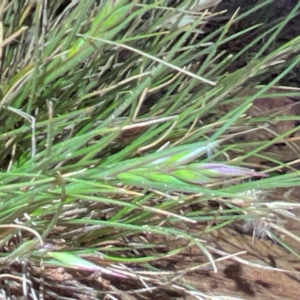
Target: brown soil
[243, 276]
[284, 149]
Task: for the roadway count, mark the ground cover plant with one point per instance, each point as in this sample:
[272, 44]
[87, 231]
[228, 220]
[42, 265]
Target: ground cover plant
[148, 147]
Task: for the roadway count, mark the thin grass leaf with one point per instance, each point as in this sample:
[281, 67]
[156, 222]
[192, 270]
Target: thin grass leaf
[69, 260]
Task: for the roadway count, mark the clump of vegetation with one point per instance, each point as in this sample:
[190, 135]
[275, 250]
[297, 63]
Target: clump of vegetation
[125, 144]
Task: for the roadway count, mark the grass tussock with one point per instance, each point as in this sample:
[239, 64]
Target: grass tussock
[128, 140]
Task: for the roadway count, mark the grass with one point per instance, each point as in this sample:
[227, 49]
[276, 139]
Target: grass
[112, 130]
